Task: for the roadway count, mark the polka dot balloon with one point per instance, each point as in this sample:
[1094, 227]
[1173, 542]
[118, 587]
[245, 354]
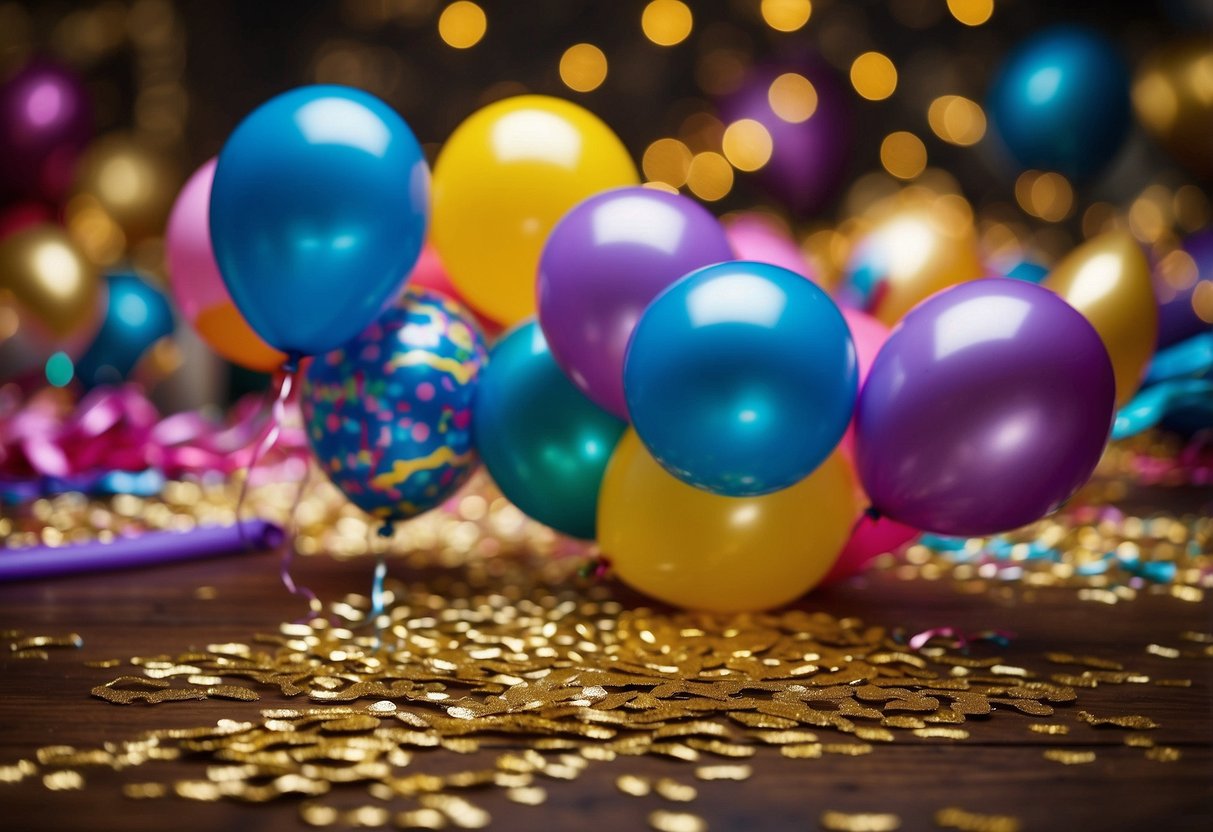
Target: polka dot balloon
[389, 413]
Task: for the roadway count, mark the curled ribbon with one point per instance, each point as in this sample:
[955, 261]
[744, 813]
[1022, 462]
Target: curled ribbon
[113, 437]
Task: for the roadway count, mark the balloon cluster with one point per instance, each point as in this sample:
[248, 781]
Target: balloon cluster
[727, 433]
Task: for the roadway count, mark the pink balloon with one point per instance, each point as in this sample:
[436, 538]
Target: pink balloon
[869, 336]
[197, 286]
[756, 237]
[429, 273]
[870, 538]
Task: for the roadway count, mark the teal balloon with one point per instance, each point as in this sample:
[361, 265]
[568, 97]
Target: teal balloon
[318, 212]
[137, 316]
[543, 442]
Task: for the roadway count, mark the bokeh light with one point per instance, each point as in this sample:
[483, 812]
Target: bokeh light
[957, 120]
[667, 161]
[666, 22]
[903, 154]
[971, 12]
[873, 76]
[1045, 195]
[462, 24]
[792, 97]
[747, 144]
[710, 176]
[786, 15]
[583, 67]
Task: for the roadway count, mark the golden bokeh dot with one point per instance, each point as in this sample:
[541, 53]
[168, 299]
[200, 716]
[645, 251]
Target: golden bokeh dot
[462, 24]
[666, 22]
[667, 161]
[710, 176]
[903, 154]
[747, 144]
[957, 120]
[873, 76]
[792, 97]
[583, 67]
[1178, 270]
[664, 187]
[1047, 196]
[786, 15]
[1202, 301]
[971, 12]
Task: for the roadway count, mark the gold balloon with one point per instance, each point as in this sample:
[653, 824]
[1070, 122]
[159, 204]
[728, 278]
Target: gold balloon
[721, 554]
[50, 298]
[1107, 279]
[913, 252]
[1173, 97]
[123, 192]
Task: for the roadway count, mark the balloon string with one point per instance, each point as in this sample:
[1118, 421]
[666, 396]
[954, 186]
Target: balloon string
[377, 580]
[288, 552]
[263, 445]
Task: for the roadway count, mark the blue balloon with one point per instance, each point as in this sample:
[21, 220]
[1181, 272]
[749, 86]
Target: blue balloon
[137, 316]
[318, 212]
[1061, 101]
[544, 443]
[741, 378]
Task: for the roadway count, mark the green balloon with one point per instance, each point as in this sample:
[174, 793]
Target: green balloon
[543, 442]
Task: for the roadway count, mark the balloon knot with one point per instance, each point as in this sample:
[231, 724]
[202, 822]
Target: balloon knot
[291, 365]
[596, 568]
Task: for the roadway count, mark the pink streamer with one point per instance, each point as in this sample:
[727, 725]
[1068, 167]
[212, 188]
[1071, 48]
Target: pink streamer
[118, 429]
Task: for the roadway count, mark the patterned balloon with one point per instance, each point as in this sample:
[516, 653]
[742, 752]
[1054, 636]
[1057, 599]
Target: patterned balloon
[389, 413]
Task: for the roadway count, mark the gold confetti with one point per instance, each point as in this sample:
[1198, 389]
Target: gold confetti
[1049, 728]
[1163, 754]
[1139, 741]
[664, 821]
[956, 818]
[144, 791]
[1165, 652]
[738, 772]
[672, 790]
[847, 749]
[632, 785]
[1069, 758]
[527, 795]
[64, 780]
[942, 733]
[802, 751]
[1136, 723]
[420, 819]
[860, 822]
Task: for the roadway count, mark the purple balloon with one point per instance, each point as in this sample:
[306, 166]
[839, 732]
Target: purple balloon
[603, 263]
[986, 409]
[1177, 318]
[809, 158]
[46, 119]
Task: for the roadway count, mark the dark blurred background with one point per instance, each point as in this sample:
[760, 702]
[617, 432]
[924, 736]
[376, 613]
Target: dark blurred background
[179, 77]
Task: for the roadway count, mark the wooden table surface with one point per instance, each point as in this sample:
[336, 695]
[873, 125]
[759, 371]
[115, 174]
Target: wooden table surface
[999, 771]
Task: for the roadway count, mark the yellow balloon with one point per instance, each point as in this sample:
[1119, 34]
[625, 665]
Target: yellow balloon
[1107, 279]
[50, 298]
[502, 181]
[912, 253]
[1173, 97]
[720, 554]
